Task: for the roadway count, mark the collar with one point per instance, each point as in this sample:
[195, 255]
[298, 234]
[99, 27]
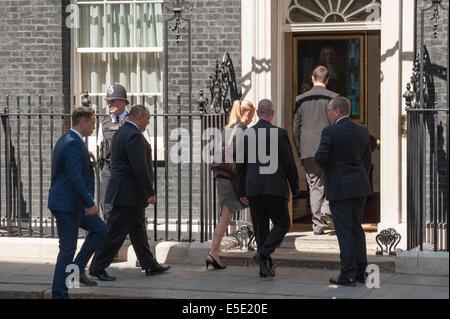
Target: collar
[77, 133]
[263, 119]
[133, 124]
[121, 116]
[342, 118]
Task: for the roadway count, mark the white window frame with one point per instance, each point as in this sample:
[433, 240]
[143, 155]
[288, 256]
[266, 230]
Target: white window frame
[76, 69]
[76, 52]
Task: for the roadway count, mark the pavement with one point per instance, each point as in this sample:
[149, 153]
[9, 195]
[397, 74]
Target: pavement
[24, 279]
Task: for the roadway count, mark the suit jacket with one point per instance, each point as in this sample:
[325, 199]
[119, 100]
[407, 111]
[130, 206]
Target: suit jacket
[72, 184]
[131, 180]
[250, 180]
[344, 153]
[310, 117]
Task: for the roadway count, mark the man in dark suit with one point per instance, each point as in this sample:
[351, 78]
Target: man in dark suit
[344, 153]
[71, 200]
[310, 118]
[264, 168]
[130, 190]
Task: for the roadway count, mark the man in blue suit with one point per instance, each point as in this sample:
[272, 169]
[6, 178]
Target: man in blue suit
[344, 153]
[71, 201]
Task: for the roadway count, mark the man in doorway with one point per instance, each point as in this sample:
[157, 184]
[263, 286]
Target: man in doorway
[344, 153]
[310, 117]
[264, 185]
[130, 191]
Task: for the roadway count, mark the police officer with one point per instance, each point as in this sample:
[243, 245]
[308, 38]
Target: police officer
[116, 96]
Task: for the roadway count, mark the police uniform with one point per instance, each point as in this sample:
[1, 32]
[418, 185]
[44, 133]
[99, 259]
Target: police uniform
[108, 127]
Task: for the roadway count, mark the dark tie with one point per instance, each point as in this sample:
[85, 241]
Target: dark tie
[116, 118]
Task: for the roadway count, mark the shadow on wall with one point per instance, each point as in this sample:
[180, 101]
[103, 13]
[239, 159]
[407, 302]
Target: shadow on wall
[438, 159]
[258, 66]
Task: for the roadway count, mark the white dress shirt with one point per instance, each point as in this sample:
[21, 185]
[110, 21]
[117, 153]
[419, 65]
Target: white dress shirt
[121, 117]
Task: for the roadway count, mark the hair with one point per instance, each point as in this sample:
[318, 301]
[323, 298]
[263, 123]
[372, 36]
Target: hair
[341, 103]
[137, 111]
[81, 113]
[238, 110]
[265, 107]
[322, 54]
[305, 87]
[320, 73]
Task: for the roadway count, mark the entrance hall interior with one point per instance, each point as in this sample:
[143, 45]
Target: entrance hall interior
[353, 60]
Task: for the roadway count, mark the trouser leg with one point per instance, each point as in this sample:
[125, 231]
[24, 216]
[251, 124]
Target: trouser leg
[359, 237]
[106, 208]
[119, 225]
[341, 211]
[276, 209]
[259, 219]
[97, 232]
[67, 227]
[139, 240]
[318, 202]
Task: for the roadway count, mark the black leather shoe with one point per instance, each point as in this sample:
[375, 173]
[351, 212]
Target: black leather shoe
[271, 266]
[342, 281]
[361, 278]
[86, 281]
[102, 275]
[264, 269]
[159, 269]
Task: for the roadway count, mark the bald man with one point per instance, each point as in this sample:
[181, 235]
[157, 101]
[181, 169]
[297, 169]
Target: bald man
[130, 191]
[263, 179]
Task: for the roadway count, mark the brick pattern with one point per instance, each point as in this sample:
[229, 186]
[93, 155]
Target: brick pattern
[438, 98]
[35, 60]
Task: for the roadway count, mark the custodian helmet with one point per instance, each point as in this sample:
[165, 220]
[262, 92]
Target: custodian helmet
[116, 92]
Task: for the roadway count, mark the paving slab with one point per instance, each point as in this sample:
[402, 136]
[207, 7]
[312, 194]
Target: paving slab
[33, 280]
[390, 291]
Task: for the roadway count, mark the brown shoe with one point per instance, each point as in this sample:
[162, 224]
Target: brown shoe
[86, 281]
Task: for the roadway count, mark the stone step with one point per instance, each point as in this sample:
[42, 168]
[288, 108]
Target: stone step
[292, 258]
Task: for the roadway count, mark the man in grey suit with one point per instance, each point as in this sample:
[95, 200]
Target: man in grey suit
[344, 152]
[310, 118]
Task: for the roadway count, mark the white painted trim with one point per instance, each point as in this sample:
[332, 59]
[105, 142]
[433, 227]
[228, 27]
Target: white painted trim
[118, 2]
[319, 27]
[147, 94]
[120, 50]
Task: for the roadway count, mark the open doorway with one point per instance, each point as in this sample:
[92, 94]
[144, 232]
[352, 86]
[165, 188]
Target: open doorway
[353, 59]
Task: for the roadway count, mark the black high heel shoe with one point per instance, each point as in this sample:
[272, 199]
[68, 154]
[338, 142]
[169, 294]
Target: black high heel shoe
[214, 263]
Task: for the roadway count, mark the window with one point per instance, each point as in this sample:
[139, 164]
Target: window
[120, 41]
[333, 11]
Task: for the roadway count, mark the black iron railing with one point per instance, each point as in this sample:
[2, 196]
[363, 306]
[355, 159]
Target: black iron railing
[27, 140]
[427, 147]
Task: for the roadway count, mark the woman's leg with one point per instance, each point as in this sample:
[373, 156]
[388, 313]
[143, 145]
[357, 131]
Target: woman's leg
[221, 227]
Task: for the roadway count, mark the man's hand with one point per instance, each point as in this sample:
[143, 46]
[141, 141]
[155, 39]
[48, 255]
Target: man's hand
[152, 200]
[244, 200]
[92, 210]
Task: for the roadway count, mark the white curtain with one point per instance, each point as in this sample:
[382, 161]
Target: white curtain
[94, 72]
[119, 24]
[92, 31]
[124, 70]
[149, 25]
[117, 29]
[151, 73]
